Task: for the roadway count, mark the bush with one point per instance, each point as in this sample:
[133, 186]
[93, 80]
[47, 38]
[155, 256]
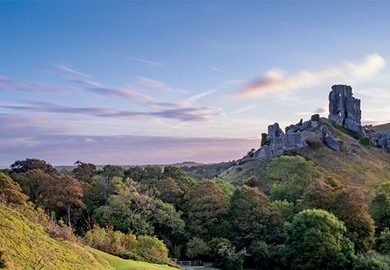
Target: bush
[384, 242]
[365, 141]
[152, 249]
[196, 247]
[315, 117]
[371, 261]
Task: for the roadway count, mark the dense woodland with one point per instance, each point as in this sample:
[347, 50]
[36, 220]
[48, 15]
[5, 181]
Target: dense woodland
[305, 220]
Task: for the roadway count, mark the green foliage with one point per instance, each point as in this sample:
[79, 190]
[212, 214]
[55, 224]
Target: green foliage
[315, 240]
[371, 261]
[384, 242]
[286, 209]
[349, 205]
[207, 207]
[380, 206]
[196, 248]
[234, 260]
[151, 249]
[11, 191]
[292, 176]
[262, 255]
[292, 168]
[365, 141]
[253, 217]
[227, 187]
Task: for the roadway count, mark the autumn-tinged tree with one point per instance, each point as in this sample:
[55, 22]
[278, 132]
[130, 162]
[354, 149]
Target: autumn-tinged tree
[66, 196]
[11, 190]
[253, 217]
[207, 207]
[315, 240]
[38, 185]
[84, 171]
[351, 207]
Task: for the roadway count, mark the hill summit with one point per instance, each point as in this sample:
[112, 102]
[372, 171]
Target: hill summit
[344, 114]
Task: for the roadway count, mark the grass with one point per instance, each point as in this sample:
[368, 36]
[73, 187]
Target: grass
[27, 245]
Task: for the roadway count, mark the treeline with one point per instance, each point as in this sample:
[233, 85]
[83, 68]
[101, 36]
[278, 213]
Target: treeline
[305, 220]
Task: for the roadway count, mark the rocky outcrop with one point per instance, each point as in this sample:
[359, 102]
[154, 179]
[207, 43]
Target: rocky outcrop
[381, 140]
[344, 109]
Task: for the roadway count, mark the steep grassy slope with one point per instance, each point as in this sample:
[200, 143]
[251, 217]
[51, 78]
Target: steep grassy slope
[27, 245]
[382, 128]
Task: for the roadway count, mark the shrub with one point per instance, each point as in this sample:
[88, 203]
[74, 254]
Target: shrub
[371, 261]
[152, 249]
[196, 247]
[365, 141]
[315, 117]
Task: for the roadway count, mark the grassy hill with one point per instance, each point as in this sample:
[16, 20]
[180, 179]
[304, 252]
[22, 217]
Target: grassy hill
[382, 128]
[357, 165]
[27, 245]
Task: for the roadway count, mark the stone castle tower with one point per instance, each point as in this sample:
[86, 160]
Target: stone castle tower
[344, 109]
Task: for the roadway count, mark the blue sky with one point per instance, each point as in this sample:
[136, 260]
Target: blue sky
[138, 82]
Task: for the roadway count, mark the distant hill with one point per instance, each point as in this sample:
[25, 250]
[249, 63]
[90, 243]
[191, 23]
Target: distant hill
[354, 164]
[28, 245]
[382, 128]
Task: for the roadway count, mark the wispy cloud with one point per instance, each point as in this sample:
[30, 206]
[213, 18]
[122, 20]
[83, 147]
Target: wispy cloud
[194, 98]
[214, 68]
[244, 109]
[140, 60]
[69, 72]
[278, 80]
[7, 84]
[158, 85]
[202, 114]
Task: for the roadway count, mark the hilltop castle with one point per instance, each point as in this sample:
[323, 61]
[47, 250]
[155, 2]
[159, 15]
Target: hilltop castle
[344, 111]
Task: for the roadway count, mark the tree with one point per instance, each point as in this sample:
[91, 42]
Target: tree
[292, 175]
[350, 206]
[22, 166]
[207, 207]
[384, 242]
[253, 217]
[84, 171]
[67, 195]
[38, 185]
[11, 190]
[380, 206]
[315, 240]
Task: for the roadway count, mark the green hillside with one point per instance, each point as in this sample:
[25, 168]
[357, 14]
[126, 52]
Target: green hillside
[27, 245]
[382, 128]
[358, 165]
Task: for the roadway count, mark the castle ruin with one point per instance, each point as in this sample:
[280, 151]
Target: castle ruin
[344, 109]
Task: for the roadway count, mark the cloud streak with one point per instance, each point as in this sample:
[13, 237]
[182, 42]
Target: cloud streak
[278, 80]
[202, 114]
